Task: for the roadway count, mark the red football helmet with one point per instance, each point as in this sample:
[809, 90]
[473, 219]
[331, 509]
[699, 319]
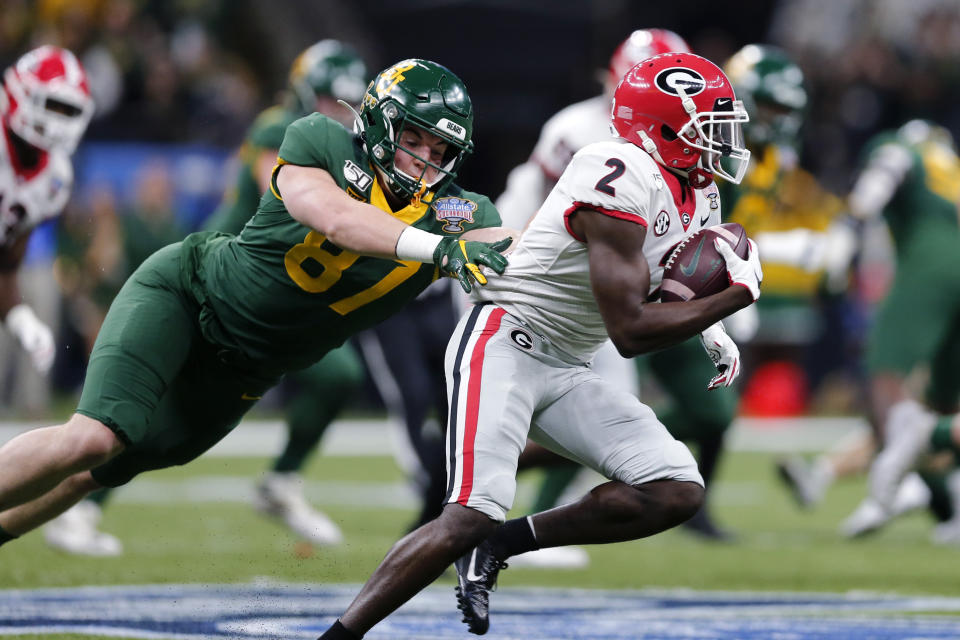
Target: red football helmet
[681, 109]
[48, 99]
[640, 45]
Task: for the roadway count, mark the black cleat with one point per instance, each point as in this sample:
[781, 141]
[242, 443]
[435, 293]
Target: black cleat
[476, 576]
[703, 526]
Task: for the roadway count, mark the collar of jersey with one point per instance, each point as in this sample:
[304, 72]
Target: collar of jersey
[409, 213]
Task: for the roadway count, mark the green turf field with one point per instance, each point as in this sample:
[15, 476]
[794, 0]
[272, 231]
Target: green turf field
[779, 547]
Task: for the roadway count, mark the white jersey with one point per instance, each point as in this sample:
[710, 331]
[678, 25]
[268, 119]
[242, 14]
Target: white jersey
[547, 283]
[29, 197]
[568, 131]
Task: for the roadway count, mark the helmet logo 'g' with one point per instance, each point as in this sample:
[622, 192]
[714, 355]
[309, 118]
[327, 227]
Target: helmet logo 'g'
[669, 80]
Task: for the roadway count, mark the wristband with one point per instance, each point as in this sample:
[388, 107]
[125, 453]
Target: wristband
[418, 245]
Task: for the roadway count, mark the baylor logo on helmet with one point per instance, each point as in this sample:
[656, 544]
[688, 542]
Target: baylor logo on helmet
[669, 80]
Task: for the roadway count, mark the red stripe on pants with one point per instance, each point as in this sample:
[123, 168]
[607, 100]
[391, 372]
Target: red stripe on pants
[473, 402]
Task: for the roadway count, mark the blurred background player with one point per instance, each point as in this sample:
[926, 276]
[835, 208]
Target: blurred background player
[807, 243]
[321, 75]
[695, 415]
[404, 356]
[783, 206]
[911, 179]
[45, 106]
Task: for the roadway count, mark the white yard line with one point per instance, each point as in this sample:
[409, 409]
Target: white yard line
[376, 437]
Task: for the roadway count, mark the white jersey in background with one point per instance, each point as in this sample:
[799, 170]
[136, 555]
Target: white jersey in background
[29, 197]
[568, 131]
[547, 283]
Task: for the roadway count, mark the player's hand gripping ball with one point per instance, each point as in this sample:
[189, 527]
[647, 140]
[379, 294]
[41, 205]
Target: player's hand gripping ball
[695, 269]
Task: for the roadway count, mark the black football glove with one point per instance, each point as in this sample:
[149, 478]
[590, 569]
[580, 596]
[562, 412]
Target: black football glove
[460, 259]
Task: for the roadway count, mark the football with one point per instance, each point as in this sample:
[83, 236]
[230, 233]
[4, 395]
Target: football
[695, 269]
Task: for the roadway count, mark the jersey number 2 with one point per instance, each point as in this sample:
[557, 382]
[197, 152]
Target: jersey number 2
[603, 185]
[333, 267]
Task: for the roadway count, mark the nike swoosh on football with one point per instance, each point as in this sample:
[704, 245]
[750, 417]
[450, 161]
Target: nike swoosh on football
[691, 267]
[471, 575]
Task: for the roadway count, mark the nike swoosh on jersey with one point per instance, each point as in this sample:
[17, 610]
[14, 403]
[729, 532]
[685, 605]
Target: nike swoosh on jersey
[705, 220]
[691, 267]
[246, 396]
[471, 568]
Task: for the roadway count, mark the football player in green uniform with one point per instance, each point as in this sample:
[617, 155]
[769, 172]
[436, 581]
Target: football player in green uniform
[911, 177]
[353, 226]
[783, 206]
[324, 73]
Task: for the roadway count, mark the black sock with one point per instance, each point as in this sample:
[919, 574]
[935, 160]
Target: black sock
[339, 632]
[6, 536]
[514, 537]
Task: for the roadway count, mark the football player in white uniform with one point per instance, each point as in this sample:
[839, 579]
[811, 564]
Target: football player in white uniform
[586, 268]
[698, 416]
[45, 106]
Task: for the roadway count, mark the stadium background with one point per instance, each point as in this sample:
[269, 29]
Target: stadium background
[177, 82]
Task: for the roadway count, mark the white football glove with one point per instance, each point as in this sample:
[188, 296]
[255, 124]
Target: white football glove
[841, 243]
[723, 352]
[746, 273]
[34, 336]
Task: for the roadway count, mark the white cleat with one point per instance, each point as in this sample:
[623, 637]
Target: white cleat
[280, 495]
[908, 432]
[867, 518]
[948, 533]
[75, 531]
[807, 481]
[552, 558]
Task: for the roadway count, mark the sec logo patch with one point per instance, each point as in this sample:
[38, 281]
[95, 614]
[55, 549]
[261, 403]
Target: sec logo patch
[662, 224]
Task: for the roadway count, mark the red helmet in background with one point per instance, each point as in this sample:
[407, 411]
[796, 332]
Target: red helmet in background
[48, 98]
[640, 45]
[681, 109]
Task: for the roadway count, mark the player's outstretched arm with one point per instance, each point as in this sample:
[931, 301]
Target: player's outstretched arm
[314, 199]
[620, 279]
[32, 333]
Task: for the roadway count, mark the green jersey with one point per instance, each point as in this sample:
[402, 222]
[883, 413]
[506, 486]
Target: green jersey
[922, 213]
[280, 295]
[240, 202]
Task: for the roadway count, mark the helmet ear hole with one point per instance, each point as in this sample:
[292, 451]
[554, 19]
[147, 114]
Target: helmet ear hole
[667, 133]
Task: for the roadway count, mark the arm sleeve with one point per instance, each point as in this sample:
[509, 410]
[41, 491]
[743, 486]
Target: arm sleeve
[886, 169]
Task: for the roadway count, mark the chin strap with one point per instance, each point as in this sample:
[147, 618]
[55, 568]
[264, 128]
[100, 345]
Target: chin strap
[418, 194]
[650, 146]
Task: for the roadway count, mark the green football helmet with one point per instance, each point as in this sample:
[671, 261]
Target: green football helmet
[919, 132]
[772, 89]
[429, 96]
[327, 68]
